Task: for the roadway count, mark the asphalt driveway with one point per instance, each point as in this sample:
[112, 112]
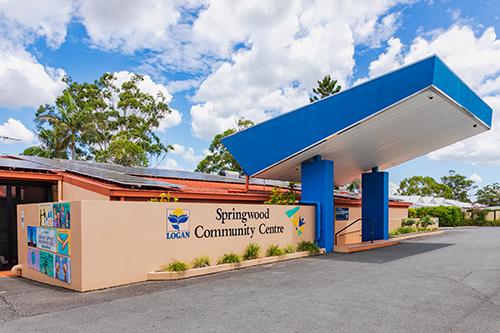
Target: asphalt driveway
[442, 283]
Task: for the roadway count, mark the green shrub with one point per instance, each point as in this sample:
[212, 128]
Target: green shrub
[290, 248]
[176, 266]
[229, 258]
[426, 221]
[409, 222]
[308, 246]
[406, 230]
[448, 216]
[478, 216]
[274, 250]
[251, 251]
[279, 197]
[200, 262]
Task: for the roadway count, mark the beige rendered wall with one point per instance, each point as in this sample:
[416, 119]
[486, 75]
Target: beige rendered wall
[396, 214]
[114, 243]
[122, 241]
[72, 193]
[353, 233]
[31, 218]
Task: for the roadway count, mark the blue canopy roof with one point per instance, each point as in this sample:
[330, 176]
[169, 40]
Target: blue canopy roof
[401, 101]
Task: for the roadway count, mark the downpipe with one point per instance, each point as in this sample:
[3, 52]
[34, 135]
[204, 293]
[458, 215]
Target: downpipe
[17, 269]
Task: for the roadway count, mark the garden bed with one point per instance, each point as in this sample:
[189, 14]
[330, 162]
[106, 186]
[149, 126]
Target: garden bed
[163, 275]
[416, 234]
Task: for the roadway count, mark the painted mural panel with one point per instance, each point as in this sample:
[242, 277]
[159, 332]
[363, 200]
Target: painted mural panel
[61, 215]
[63, 241]
[34, 259]
[32, 236]
[63, 269]
[46, 239]
[45, 215]
[47, 263]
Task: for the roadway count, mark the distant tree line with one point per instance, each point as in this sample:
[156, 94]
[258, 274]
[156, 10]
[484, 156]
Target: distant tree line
[452, 186]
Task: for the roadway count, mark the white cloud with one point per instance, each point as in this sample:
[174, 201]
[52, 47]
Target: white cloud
[374, 31]
[128, 25]
[187, 153]
[474, 57]
[171, 164]
[475, 178]
[206, 122]
[173, 119]
[24, 82]
[182, 85]
[388, 60]
[275, 52]
[13, 128]
[48, 19]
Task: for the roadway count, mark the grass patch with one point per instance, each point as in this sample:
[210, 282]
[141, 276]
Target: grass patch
[251, 251]
[308, 246]
[200, 262]
[290, 248]
[176, 266]
[274, 250]
[229, 258]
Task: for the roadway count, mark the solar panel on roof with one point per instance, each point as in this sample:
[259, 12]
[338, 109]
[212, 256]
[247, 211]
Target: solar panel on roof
[132, 176]
[21, 164]
[86, 169]
[179, 174]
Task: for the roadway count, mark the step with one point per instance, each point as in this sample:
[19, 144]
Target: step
[357, 247]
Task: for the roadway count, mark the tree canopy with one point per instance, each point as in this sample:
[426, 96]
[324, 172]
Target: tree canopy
[424, 186]
[326, 87]
[489, 195]
[219, 158]
[459, 184]
[452, 186]
[102, 121]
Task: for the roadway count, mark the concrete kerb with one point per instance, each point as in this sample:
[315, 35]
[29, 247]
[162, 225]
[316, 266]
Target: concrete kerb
[417, 235]
[161, 275]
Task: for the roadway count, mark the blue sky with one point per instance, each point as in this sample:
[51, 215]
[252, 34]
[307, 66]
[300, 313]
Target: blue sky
[219, 60]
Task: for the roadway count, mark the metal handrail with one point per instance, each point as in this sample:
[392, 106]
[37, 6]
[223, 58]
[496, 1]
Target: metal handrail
[355, 221]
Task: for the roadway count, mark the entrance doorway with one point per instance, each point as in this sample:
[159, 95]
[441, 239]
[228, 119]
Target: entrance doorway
[13, 193]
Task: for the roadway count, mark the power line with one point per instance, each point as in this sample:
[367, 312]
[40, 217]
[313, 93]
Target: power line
[4, 137]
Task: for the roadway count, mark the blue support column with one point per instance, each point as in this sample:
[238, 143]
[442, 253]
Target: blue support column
[317, 185]
[375, 205]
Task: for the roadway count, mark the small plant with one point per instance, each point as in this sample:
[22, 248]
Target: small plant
[308, 246]
[229, 258]
[176, 266]
[406, 230]
[290, 248]
[200, 262]
[408, 222]
[251, 251]
[274, 250]
[164, 197]
[279, 197]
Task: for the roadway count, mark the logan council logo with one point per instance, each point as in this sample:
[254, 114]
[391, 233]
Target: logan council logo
[297, 220]
[177, 223]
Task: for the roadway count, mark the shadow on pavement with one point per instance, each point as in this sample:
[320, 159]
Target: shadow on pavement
[387, 254]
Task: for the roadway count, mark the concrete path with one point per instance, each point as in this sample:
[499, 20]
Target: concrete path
[443, 283]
